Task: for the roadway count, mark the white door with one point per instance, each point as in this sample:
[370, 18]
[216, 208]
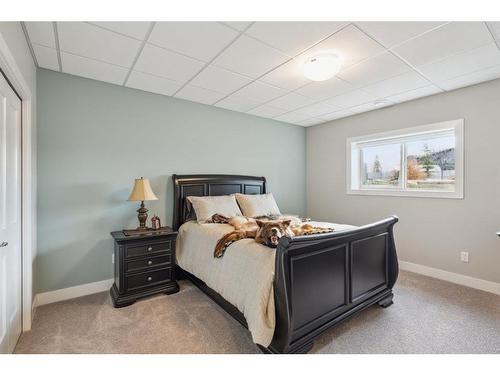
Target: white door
[10, 217]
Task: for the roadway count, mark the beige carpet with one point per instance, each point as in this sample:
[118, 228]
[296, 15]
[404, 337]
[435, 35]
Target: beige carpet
[428, 316]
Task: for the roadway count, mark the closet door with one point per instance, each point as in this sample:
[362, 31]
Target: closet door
[10, 217]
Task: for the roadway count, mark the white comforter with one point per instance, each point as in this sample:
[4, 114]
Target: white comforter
[243, 276]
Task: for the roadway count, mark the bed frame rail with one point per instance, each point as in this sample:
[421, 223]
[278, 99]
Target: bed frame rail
[321, 280]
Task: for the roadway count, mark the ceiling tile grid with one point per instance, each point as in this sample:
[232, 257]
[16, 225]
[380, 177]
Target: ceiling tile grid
[90, 41]
[167, 64]
[293, 37]
[93, 69]
[201, 40]
[391, 34]
[46, 57]
[41, 33]
[254, 67]
[238, 103]
[250, 57]
[268, 111]
[215, 78]
[151, 83]
[135, 30]
[199, 94]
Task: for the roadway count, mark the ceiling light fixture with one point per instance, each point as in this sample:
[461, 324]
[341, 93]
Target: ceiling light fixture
[321, 67]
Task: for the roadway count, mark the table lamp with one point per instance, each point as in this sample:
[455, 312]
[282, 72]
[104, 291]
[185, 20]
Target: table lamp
[142, 192]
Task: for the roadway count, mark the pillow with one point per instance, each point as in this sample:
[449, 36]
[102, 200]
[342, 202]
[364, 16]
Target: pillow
[258, 205]
[206, 207]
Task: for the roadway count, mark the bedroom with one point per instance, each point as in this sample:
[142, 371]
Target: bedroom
[361, 150]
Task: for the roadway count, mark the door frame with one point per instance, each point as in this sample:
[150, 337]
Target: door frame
[11, 69]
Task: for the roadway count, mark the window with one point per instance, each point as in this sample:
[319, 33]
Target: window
[425, 161]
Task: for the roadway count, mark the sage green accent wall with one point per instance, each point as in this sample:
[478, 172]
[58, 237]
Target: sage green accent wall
[95, 138]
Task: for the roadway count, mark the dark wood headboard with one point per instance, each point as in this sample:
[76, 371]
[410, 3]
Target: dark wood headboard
[210, 184]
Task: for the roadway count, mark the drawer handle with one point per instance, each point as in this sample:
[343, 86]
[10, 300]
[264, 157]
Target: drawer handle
[150, 262]
[150, 248]
[150, 278]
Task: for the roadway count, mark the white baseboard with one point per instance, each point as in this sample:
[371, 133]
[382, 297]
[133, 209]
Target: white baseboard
[104, 285]
[471, 282]
[72, 292]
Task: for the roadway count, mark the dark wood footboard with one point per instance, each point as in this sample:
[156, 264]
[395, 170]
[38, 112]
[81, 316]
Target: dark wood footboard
[324, 279]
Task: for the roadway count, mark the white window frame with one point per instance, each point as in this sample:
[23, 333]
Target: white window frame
[353, 175]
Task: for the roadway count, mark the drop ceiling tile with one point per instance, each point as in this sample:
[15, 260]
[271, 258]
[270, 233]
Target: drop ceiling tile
[495, 26]
[317, 109]
[325, 89]
[463, 63]
[392, 33]
[287, 76]
[90, 41]
[415, 94]
[237, 103]
[267, 111]
[444, 41]
[375, 69]
[135, 30]
[350, 44]
[370, 106]
[250, 57]
[163, 63]
[261, 92]
[292, 117]
[201, 40]
[310, 122]
[46, 57]
[471, 78]
[222, 80]
[93, 69]
[41, 33]
[336, 115]
[395, 85]
[148, 82]
[240, 26]
[351, 99]
[291, 101]
[199, 94]
[293, 37]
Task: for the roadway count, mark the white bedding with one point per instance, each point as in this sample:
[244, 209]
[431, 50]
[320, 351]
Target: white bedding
[243, 276]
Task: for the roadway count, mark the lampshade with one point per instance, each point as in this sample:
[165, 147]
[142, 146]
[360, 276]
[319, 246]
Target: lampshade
[142, 191]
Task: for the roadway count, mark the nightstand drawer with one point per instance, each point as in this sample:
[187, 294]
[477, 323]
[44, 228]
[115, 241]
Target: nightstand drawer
[148, 278]
[146, 249]
[144, 264]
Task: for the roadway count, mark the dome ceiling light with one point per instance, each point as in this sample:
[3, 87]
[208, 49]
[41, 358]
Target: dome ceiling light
[321, 67]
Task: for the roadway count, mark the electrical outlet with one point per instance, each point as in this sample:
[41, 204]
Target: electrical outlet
[113, 258]
[464, 256]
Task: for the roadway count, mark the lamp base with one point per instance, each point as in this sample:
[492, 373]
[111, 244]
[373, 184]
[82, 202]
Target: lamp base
[142, 216]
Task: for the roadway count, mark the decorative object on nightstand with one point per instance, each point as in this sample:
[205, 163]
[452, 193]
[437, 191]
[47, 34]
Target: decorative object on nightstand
[144, 265]
[142, 192]
[155, 222]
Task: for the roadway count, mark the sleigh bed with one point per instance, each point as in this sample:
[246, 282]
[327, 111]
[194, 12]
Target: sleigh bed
[319, 280]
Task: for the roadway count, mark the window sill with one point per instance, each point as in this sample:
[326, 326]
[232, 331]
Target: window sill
[410, 194]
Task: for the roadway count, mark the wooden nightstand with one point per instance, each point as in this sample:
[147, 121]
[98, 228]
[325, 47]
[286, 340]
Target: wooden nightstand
[144, 265]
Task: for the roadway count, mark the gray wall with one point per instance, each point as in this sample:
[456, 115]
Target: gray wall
[431, 232]
[13, 35]
[95, 138]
